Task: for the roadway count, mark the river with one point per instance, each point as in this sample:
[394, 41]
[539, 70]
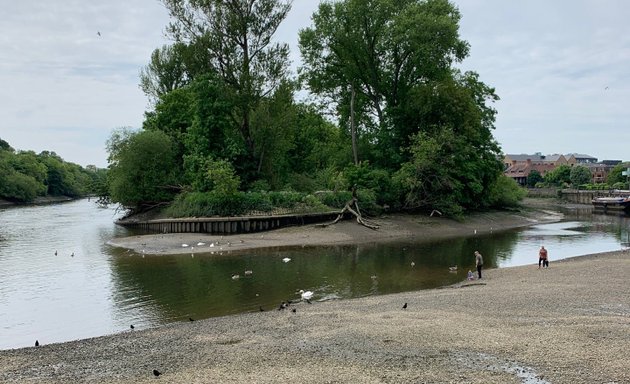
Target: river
[59, 281]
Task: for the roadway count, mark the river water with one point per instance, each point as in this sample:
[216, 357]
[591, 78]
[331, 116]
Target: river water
[59, 281]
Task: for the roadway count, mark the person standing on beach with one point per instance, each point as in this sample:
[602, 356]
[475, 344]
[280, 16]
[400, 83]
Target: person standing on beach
[478, 262]
[542, 258]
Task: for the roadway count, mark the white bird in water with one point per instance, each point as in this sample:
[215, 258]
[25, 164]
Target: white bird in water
[306, 295]
[286, 259]
[453, 268]
[249, 272]
[413, 264]
[184, 245]
[200, 243]
[212, 244]
[236, 277]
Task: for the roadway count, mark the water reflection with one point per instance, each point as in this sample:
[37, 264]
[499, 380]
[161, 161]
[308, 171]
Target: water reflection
[104, 290]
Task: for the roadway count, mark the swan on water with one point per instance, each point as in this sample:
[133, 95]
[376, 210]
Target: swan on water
[306, 295]
[286, 259]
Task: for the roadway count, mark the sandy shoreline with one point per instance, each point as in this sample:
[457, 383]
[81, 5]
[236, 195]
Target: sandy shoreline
[392, 228]
[567, 324]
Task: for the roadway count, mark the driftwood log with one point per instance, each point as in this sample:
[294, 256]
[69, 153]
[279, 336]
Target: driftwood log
[356, 212]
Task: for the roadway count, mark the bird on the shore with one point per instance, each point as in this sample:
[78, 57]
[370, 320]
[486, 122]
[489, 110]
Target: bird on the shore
[156, 373]
[282, 306]
[261, 309]
[37, 343]
[132, 327]
[286, 259]
[404, 306]
[453, 268]
[306, 295]
[191, 319]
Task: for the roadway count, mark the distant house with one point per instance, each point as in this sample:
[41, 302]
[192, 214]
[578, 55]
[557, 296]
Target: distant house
[581, 159]
[518, 167]
[600, 171]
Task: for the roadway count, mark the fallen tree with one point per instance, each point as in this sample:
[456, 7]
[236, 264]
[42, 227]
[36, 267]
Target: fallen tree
[356, 211]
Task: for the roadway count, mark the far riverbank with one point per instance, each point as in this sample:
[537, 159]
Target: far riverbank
[391, 228]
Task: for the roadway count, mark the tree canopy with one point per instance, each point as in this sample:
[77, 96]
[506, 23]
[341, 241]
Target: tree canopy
[391, 115]
[25, 175]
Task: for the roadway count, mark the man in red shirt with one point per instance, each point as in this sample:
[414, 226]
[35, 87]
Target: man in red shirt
[542, 258]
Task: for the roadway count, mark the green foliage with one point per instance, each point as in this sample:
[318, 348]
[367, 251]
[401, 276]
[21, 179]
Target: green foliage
[615, 175]
[235, 39]
[534, 178]
[447, 174]
[25, 176]
[142, 168]
[560, 176]
[505, 193]
[580, 175]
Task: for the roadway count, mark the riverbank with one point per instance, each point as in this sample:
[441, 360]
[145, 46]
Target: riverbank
[565, 324]
[391, 228]
[37, 201]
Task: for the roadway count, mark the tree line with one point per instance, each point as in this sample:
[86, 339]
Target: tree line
[25, 175]
[388, 113]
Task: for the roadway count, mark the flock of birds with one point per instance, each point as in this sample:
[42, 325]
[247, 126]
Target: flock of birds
[305, 296]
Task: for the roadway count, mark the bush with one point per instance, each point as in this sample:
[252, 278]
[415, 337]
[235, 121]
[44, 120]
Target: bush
[505, 193]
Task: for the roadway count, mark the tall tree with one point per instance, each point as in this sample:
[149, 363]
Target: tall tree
[381, 49]
[236, 35]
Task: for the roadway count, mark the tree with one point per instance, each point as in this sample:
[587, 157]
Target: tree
[236, 35]
[559, 176]
[381, 50]
[165, 72]
[534, 178]
[580, 175]
[615, 175]
[142, 168]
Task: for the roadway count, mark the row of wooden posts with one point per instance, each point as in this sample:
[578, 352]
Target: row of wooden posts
[227, 225]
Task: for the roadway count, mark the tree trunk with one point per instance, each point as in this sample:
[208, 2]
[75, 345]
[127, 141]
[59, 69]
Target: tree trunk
[353, 128]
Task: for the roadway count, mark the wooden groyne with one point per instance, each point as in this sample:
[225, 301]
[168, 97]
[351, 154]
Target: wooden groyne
[227, 225]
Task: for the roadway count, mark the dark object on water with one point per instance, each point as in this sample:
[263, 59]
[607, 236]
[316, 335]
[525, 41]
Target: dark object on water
[37, 343]
[191, 319]
[156, 373]
[405, 306]
[132, 327]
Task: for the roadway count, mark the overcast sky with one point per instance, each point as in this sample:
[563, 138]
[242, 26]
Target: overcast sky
[561, 69]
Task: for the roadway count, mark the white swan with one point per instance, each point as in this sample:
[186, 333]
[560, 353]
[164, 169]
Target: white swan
[286, 259]
[184, 245]
[453, 269]
[306, 295]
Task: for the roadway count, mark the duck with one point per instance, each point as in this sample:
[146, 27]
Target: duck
[286, 259]
[249, 272]
[236, 276]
